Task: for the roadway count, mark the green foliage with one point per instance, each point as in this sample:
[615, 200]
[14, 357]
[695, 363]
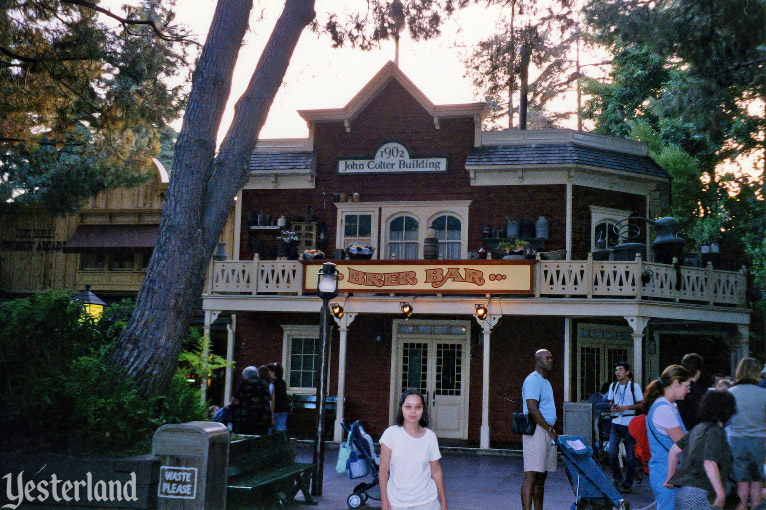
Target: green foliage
[85, 106]
[499, 65]
[197, 359]
[59, 391]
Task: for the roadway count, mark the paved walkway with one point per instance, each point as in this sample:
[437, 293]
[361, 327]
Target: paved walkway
[472, 482]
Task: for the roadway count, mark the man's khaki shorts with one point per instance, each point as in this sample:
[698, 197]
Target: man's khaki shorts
[539, 452]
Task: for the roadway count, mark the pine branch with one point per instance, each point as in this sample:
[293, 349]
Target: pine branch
[741, 65]
[125, 22]
[27, 61]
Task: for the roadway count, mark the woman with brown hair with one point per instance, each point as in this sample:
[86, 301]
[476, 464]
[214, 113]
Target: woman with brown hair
[747, 432]
[706, 456]
[664, 427]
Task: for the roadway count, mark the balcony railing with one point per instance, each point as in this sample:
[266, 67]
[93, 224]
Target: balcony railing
[640, 280]
[552, 278]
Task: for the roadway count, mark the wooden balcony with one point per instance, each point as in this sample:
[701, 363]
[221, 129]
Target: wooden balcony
[128, 282]
[586, 279]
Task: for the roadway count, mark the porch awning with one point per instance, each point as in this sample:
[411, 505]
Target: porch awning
[95, 237]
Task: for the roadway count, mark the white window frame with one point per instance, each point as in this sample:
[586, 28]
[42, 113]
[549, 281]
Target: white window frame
[599, 215]
[387, 242]
[357, 208]
[449, 241]
[291, 331]
[383, 212]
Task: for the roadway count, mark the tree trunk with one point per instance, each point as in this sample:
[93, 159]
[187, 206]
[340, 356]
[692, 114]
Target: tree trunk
[525, 54]
[202, 187]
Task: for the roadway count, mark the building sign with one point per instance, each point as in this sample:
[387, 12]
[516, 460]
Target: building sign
[32, 239]
[391, 157]
[177, 482]
[428, 277]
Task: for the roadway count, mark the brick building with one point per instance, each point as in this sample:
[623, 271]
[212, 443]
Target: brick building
[386, 167]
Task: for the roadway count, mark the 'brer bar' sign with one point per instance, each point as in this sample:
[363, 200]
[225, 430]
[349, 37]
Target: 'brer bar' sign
[392, 157]
[428, 276]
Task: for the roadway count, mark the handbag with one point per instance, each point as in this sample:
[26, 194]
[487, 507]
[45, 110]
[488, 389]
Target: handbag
[344, 451]
[522, 423]
[356, 466]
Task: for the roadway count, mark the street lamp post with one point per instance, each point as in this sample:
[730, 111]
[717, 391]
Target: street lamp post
[327, 288]
[93, 305]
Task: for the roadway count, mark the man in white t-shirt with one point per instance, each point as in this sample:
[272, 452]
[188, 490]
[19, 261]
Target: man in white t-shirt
[626, 398]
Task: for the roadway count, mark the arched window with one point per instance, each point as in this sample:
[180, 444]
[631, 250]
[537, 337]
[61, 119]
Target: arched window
[605, 230]
[448, 233]
[403, 238]
[603, 220]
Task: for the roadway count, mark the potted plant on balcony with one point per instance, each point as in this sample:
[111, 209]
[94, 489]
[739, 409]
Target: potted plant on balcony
[357, 251]
[513, 249]
[312, 254]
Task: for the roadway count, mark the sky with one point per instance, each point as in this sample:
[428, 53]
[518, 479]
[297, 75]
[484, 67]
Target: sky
[322, 77]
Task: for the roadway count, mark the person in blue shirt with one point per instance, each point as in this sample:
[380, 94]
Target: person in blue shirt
[539, 448]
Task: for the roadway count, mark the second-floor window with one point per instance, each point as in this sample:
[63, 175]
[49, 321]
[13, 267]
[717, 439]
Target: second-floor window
[403, 238]
[448, 233]
[357, 228]
[603, 220]
[397, 230]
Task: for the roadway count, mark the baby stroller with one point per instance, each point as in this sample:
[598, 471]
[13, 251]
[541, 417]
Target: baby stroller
[592, 488]
[363, 444]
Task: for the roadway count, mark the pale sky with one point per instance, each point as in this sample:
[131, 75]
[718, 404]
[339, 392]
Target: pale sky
[322, 77]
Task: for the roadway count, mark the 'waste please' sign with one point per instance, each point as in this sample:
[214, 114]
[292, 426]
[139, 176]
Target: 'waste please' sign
[177, 482]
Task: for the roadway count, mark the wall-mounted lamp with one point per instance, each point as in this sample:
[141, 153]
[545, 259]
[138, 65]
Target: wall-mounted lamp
[481, 311]
[336, 310]
[406, 308]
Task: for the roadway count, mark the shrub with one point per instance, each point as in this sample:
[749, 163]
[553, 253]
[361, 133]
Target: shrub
[60, 393]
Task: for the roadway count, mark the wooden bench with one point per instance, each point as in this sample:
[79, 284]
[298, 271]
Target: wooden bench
[263, 472]
[302, 418]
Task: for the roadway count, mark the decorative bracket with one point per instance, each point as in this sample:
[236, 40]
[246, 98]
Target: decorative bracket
[490, 322]
[214, 315]
[638, 324]
[345, 321]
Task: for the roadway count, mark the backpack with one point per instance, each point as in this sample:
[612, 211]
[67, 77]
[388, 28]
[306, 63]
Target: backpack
[613, 390]
[637, 429]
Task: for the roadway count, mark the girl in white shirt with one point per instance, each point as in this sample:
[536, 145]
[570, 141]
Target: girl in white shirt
[410, 474]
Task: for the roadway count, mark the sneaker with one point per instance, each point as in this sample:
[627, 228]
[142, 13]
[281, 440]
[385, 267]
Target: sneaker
[625, 489]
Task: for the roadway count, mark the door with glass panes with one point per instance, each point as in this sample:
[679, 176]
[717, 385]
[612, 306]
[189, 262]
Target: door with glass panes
[433, 359]
[599, 348]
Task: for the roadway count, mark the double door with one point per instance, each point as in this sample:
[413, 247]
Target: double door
[437, 367]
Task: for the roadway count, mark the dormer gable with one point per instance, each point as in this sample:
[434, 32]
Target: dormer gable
[376, 85]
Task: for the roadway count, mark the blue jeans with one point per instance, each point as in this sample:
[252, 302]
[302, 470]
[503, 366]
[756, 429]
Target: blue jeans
[618, 434]
[280, 421]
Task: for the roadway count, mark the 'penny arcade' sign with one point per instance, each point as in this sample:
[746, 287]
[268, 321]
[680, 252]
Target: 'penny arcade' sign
[391, 157]
[428, 277]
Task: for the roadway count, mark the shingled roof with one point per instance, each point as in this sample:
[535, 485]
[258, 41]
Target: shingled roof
[561, 154]
[264, 161]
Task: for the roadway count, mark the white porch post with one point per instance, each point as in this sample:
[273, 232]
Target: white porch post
[230, 330]
[343, 324]
[567, 359]
[743, 341]
[568, 206]
[638, 324]
[487, 325]
[210, 317]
